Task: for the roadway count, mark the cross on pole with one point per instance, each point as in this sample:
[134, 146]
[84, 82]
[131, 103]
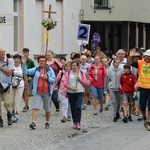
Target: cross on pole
[49, 12]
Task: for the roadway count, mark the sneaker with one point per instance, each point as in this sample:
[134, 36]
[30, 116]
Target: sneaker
[121, 109]
[32, 125]
[145, 124]
[63, 120]
[118, 115]
[9, 119]
[47, 126]
[130, 118]
[148, 126]
[78, 126]
[101, 109]
[69, 118]
[115, 119]
[13, 113]
[95, 112]
[1, 122]
[74, 125]
[125, 120]
[57, 112]
[140, 117]
[89, 102]
[106, 107]
[25, 109]
[84, 107]
[16, 119]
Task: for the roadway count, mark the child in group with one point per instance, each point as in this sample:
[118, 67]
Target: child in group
[127, 82]
[62, 93]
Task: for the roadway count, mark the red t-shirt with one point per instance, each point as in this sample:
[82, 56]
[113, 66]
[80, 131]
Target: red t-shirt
[127, 82]
[42, 85]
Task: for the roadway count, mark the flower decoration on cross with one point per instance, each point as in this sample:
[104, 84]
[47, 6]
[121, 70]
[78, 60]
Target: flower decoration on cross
[48, 24]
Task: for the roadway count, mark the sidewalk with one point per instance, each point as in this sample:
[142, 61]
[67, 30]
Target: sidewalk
[20, 137]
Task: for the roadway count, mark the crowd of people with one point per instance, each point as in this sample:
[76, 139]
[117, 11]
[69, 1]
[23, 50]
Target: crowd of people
[105, 80]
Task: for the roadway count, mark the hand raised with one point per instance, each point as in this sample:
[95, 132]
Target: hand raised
[132, 52]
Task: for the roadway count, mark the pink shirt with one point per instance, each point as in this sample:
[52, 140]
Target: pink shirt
[62, 88]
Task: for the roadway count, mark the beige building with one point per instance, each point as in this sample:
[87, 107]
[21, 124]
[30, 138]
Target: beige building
[20, 25]
[120, 23]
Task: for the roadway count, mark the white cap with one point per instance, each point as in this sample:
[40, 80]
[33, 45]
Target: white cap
[147, 53]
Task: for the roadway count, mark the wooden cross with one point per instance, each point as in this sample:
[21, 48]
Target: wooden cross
[49, 12]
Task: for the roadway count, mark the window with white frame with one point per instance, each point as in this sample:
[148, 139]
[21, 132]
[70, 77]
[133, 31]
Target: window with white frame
[101, 3]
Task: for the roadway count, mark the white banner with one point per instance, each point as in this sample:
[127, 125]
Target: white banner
[6, 19]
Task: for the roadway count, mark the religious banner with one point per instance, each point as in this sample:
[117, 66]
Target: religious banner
[6, 19]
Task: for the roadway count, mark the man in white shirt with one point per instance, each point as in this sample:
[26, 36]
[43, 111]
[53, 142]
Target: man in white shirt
[6, 68]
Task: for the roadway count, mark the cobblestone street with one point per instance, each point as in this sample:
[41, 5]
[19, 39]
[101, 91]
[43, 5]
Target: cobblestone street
[20, 137]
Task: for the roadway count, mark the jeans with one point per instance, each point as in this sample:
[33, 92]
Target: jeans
[144, 99]
[76, 100]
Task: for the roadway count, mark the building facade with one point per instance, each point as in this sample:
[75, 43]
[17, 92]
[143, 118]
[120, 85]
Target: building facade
[20, 25]
[120, 23]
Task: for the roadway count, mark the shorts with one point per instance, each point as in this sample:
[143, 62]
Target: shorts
[127, 98]
[46, 101]
[97, 92]
[135, 98]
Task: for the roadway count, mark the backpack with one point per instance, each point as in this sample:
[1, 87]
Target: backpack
[58, 83]
[79, 72]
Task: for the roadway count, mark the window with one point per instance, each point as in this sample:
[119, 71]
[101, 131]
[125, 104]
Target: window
[15, 5]
[15, 9]
[98, 4]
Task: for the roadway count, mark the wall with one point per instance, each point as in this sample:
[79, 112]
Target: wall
[123, 10]
[6, 31]
[63, 37]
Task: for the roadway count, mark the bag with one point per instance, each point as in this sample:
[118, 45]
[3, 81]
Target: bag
[58, 83]
[55, 95]
[2, 90]
[16, 81]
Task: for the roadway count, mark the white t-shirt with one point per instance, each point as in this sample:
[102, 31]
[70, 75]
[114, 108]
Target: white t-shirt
[18, 72]
[85, 68]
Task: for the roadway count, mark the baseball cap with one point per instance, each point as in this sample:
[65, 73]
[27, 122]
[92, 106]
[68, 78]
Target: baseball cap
[147, 53]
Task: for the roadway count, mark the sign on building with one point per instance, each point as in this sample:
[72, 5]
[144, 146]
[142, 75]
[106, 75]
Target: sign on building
[6, 19]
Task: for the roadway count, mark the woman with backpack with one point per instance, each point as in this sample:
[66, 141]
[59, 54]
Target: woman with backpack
[75, 82]
[62, 93]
